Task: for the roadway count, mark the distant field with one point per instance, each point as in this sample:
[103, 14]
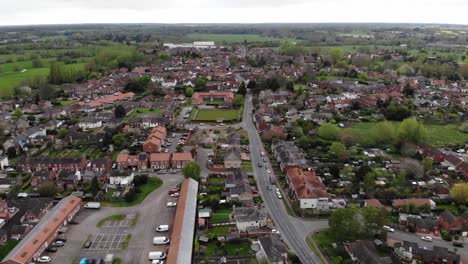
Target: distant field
[235, 38]
[213, 115]
[438, 135]
[9, 77]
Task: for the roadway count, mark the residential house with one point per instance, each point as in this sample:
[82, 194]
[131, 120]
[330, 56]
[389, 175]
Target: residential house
[179, 159]
[373, 203]
[287, 154]
[40, 177]
[365, 252]
[4, 162]
[232, 158]
[422, 225]
[6, 183]
[272, 249]
[125, 161]
[249, 217]
[199, 97]
[411, 252]
[418, 202]
[54, 164]
[160, 161]
[89, 123]
[121, 178]
[152, 145]
[238, 188]
[271, 132]
[307, 188]
[452, 223]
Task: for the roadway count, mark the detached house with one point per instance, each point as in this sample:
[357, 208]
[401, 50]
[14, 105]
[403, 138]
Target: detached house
[232, 158]
[121, 178]
[306, 187]
[246, 217]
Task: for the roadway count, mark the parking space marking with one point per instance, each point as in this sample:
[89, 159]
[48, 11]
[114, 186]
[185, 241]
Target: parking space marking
[107, 242]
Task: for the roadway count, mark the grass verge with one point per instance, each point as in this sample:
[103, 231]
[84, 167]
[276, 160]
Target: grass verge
[5, 249]
[126, 241]
[153, 184]
[116, 217]
[135, 219]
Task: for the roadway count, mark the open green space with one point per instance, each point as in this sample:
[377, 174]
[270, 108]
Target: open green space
[236, 38]
[438, 135]
[143, 110]
[213, 115]
[228, 249]
[67, 102]
[116, 217]
[247, 166]
[216, 181]
[324, 240]
[153, 184]
[220, 216]
[217, 231]
[9, 245]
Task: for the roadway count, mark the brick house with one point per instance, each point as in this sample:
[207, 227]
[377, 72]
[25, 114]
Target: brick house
[418, 202]
[54, 164]
[152, 145]
[452, 223]
[125, 161]
[160, 161]
[307, 188]
[179, 159]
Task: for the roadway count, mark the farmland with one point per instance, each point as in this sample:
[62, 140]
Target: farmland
[235, 38]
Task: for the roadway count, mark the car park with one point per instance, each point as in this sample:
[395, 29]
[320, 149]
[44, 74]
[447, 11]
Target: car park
[171, 204]
[43, 259]
[389, 229]
[426, 238]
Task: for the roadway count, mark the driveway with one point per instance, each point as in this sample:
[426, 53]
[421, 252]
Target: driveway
[152, 212]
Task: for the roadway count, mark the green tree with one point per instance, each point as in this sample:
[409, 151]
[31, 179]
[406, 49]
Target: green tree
[464, 70]
[36, 63]
[427, 164]
[120, 112]
[339, 150]
[179, 148]
[11, 152]
[363, 76]
[459, 193]
[328, 131]
[94, 185]
[62, 132]
[163, 56]
[144, 80]
[242, 90]
[356, 223]
[47, 189]
[17, 115]
[384, 133]
[189, 91]
[238, 100]
[336, 54]
[119, 141]
[130, 195]
[411, 131]
[290, 86]
[192, 170]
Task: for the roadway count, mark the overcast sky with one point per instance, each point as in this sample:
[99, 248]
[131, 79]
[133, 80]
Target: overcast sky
[26, 12]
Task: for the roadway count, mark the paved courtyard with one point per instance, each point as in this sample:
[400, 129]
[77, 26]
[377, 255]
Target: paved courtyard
[106, 241]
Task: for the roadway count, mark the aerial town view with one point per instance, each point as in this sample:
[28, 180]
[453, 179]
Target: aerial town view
[237, 132]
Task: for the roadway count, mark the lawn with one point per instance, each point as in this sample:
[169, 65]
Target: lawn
[138, 111]
[220, 216]
[438, 135]
[116, 217]
[236, 38]
[228, 249]
[216, 181]
[324, 241]
[247, 166]
[5, 249]
[213, 115]
[67, 102]
[300, 86]
[217, 231]
[153, 184]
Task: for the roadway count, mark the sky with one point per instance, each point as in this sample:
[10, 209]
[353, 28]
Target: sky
[32, 12]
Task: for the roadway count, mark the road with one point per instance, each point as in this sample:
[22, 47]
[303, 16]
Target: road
[416, 238]
[293, 230]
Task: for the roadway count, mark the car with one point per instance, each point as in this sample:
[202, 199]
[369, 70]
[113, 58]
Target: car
[43, 259]
[279, 196]
[436, 232]
[457, 244]
[51, 249]
[389, 229]
[277, 190]
[157, 261]
[73, 222]
[274, 231]
[268, 171]
[175, 194]
[58, 243]
[171, 204]
[268, 187]
[222, 124]
[63, 239]
[264, 159]
[426, 238]
[88, 244]
[202, 124]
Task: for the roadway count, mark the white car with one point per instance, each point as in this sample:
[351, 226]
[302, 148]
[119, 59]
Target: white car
[274, 231]
[171, 204]
[175, 195]
[156, 261]
[426, 238]
[278, 194]
[268, 171]
[58, 243]
[43, 259]
[389, 229]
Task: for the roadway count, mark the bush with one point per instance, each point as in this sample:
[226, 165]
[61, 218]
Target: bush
[139, 180]
[445, 235]
[130, 195]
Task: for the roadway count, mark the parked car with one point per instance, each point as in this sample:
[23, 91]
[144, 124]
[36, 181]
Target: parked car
[61, 238]
[73, 222]
[162, 228]
[88, 244]
[51, 249]
[175, 194]
[268, 187]
[58, 243]
[278, 194]
[389, 229]
[171, 204]
[43, 259]
[458, 244]
[426, 238]
[436, 232]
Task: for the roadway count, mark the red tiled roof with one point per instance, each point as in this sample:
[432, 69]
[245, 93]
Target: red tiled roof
[306, 184]
[160, 157]
[374, 203]
[418, 202]
[182, 156]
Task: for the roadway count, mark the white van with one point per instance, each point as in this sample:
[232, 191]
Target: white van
[156, 255]
[160, 240]
[162, 228]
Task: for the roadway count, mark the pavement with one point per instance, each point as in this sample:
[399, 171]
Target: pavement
[416, 238]
[151, 213]
[293, 230]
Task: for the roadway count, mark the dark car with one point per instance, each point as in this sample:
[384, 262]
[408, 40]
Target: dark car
[88, 244]
[458, 244]
[73, 222]
[91, 261]
[51, 249]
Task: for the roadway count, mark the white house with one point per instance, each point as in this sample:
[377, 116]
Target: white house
[3, 162]
[121, 178]
[249, 217]
[90, 123]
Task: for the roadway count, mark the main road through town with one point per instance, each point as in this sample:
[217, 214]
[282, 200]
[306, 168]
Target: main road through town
[294, 231]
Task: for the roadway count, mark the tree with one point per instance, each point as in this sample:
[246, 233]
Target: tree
[464, 70]
[144, 80]
[134, 86]
[119, 140]
[408, 91]
[11, 152]
[356, 223]
[410, 130]
[396, 112]
[120, 111]
[17, 115]
[427, 164]
[328, 131]
[130, 195]
[36, 63]
[94, 185]
[411, 168]
[290, 86]
[62, 132]
[363, 76]
[238, 100]
[339, 150]
[192, 170]
[459, 193]
[336, 54]
[179, 148]
[47, 189]
[189, 91]
[384, 133]
[242, 90]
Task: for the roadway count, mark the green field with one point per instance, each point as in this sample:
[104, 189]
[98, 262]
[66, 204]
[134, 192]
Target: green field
[438, 135]
[11, 75]
[9, 245]
[67, 102]
[236, 38]
[138, 111]
[213, 115]
[220, 216]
